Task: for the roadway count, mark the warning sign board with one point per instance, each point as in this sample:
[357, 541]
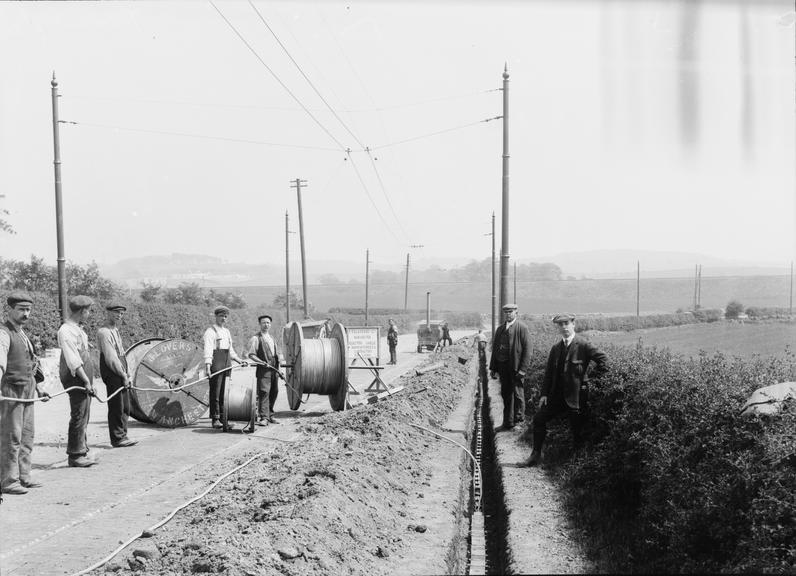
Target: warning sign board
[363, 342]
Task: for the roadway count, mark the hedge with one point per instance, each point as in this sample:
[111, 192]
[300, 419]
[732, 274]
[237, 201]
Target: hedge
[673, 478]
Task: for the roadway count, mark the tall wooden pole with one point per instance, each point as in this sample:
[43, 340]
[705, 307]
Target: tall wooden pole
[494, 293]
[367, 274]
[790, 305]
[638, 288]
[699, 287]
[696, 281]
[297, 184]
[287, 268]
[59, 214]
[406, 286]
[515, 281]
[504, 249]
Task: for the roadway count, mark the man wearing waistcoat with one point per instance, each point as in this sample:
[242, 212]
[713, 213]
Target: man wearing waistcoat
[113, 369]
[17, 360]
[219, 353]
[510, 360]
[77, 370]
[262, 348]
[565, 390]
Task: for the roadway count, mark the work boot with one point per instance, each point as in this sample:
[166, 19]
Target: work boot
[15, 488]
[124, 443]
[272, 420]
[31, 484]
[536, 458]
[81, 462]
[216, 423]
[262, 421]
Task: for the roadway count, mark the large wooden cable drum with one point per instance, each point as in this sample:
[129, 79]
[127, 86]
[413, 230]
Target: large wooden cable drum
[316, 365]
[167, 365]
[240, 402]
[133, 356]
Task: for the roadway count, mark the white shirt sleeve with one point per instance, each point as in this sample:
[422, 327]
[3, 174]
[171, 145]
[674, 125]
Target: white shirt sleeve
[5, 345]
[69, 343]
[209, 345]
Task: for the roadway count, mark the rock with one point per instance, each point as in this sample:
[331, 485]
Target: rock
[289, 553]
[421, 528]
[148, 552]
[147, 534]
[382, 552]
[202, 567]
[192, 545]
[135, 564]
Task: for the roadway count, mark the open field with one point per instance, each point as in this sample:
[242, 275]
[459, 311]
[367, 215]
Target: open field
[730, 338]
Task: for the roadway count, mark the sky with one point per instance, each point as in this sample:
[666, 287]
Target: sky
[632, 125]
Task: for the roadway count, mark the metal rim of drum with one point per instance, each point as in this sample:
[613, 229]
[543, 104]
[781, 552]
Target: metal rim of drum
[133, 357]
[293, 341]
[338, 399]
[186, 364]
[238, 396]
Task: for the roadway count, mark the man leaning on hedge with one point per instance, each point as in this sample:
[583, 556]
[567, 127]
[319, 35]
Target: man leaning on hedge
[565, 390]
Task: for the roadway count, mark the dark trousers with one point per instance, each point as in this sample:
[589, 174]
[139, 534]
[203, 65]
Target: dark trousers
[118, 409]
[557, 408]
[393, 354]
[217, 385]
[16, 435]
[513, 394]
[267, 391]
[80, 411]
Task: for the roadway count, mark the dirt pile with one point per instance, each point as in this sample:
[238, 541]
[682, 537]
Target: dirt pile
[337, 501]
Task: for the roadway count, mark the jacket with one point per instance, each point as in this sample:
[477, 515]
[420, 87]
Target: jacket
[519, 348]
[575, 376]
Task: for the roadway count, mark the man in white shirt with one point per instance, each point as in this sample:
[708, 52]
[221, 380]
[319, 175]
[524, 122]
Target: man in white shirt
[262, 348]
[76, 369]
[218, 353]
[113, 369]
[17, 360]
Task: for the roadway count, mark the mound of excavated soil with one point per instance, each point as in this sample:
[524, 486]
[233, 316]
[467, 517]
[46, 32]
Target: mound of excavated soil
[336, 501]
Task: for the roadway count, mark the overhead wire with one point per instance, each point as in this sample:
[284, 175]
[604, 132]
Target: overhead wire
[389, 202]
[430, 134]
[301, 71]
[279, 80]
[370, 197]
[201, 136]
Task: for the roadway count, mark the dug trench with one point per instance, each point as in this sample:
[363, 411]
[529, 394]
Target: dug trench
[372, 490]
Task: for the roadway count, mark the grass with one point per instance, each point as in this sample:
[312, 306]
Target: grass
[730, 338]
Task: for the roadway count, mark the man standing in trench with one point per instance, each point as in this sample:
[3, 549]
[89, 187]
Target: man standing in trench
[17, 361]
[510, 360]
[565, 390]
[218, 352]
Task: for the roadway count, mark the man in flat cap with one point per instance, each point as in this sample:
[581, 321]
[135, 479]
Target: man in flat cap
[77, 370]
[17, 362]
[219, 353]
[565, 389]
[510, 360]
[262, 348]
[113, 369]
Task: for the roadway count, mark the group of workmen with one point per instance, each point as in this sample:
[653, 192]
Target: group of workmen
[22, 378]
[565, 387]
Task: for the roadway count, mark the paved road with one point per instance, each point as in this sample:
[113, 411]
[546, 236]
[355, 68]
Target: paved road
[81, 515]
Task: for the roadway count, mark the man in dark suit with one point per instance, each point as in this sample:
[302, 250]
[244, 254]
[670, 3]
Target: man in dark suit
[565, 390]
[510, 359]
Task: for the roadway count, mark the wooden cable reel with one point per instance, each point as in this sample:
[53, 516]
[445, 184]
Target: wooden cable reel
[240, 403]
[316, 365]
[165, 365]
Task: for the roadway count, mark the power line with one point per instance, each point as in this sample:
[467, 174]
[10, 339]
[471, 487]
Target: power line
[433, 134]
[383, 221]
[343, 124]
[239, 35]
[202, 136]
[384, 190]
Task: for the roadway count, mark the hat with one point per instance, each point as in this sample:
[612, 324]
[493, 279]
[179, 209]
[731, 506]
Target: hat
[221, 310]
[79, 302]
[18, 297]
[510, 306]
[116, 306]
[563, 318]
[260, 318]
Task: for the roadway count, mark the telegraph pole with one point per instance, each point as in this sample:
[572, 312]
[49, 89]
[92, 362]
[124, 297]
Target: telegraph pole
[287, 269]
[297, 184]
[696, 280]
[699, 287]
[59, 214]
[406, 287]
[515, 281]
[494, 293]
[638, 288]
[790, 306]
[504, 249]
[367, 274]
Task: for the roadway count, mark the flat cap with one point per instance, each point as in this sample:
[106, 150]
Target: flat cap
[79, 302]
[115, 306]
[221, 310]
[261, 316]
[563, 318]
[510, 306]
[18, 297]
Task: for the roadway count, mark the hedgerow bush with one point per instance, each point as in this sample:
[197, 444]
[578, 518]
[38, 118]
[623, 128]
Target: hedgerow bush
[543, 325]
[759, 312]
[675, 480]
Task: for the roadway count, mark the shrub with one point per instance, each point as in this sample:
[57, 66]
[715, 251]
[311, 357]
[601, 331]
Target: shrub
[733, 309]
